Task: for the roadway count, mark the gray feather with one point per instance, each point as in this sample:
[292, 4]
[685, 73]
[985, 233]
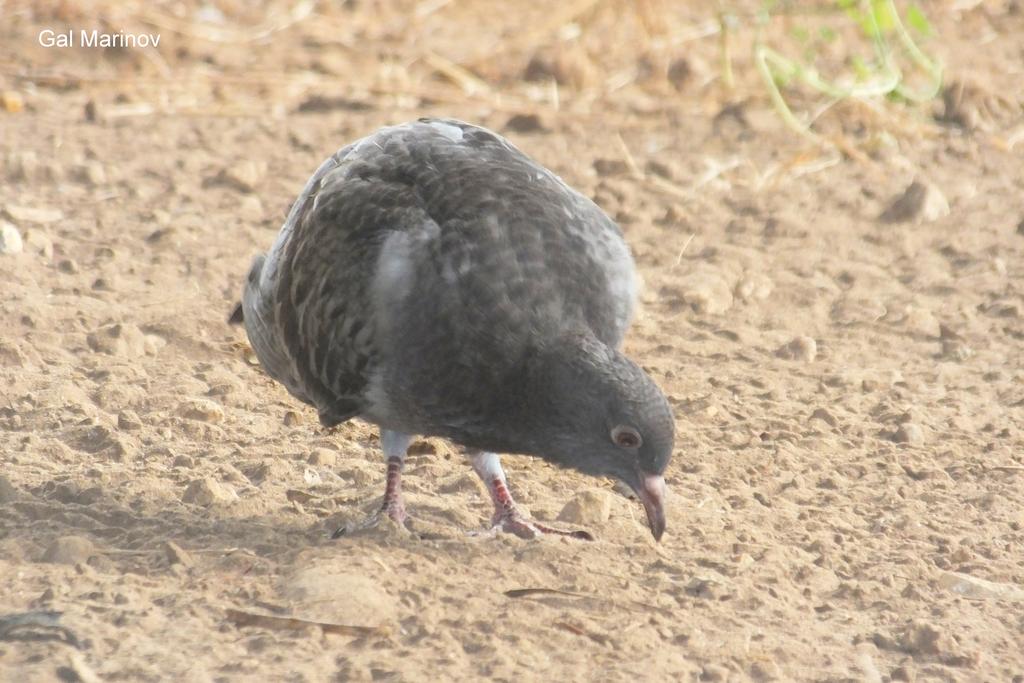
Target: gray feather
[419, 271]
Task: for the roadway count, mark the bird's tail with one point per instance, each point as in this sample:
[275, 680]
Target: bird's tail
[237, 316]
[256, 312]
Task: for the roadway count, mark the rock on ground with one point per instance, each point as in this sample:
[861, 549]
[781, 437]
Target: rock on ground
[69, 550]
[590, 508]
[10, 239]
[920, 202]
[802, 348]
[208, 491]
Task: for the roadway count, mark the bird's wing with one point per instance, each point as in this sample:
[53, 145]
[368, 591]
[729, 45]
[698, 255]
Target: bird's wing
[487, 255]
[437, 230]
[282, 315]
[317, 314]
[512, 232]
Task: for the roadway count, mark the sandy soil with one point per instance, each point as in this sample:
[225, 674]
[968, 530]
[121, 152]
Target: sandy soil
[848, 488]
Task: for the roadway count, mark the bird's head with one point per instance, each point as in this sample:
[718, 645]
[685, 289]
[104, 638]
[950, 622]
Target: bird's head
[591, 408]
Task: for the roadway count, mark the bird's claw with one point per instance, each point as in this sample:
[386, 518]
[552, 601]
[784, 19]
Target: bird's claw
[394, 510]
[526, 528]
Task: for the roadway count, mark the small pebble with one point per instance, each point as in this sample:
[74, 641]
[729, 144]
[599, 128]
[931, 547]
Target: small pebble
[803, 349]
[921, 202]
[660, 169]
[250, 208]
[909, 433]
[866, 654]
[754, 287]
[69, 550]
[7, 491]
[292, 418]
[323, 457]
[706, 291]
[570, 68]
[69, 266]
[921, 637]
[765, 670]
[184, 461]
[588, 508]
[12, 101]
[175, 554]
[208, 491]
[825, 416]
[151, 344]
[272, 469]
[956, 350]
[128, 420]
[118, 339]
[922, 321]
[904, 673]
[202, 409]
[679, 73]
[40, 243]
[91, 173]
[525, 123]
[10, 239]
[29, 214]
[23, 166]
[610, 167]
[714, 673]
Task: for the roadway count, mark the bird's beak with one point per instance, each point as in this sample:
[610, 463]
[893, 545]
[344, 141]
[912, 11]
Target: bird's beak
[651, 491]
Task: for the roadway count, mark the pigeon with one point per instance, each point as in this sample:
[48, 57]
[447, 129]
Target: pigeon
[434, 280]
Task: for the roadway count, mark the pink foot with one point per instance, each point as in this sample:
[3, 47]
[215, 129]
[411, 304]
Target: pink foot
[509, 519]
[515, 523]
[393, 506]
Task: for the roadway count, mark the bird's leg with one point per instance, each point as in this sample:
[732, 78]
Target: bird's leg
[507, 516]
[394, 444]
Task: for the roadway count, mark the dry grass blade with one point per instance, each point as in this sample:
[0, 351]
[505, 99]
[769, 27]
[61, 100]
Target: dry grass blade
[528, 592]
[1012, 139]
[669, 188]
[634, 168]
[300, 11]
[598, 638]
[679, 256]
[459, 75]
[428, 7]
[241, 619]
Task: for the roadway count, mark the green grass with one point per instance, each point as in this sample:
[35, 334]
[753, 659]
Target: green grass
[892, 39]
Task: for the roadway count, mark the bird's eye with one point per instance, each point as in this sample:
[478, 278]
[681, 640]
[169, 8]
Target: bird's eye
[626, 437]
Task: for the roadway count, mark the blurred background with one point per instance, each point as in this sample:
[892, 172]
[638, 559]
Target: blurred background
[847, 68]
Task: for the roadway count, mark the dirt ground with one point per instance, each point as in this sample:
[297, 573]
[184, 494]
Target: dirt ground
[847, 492]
